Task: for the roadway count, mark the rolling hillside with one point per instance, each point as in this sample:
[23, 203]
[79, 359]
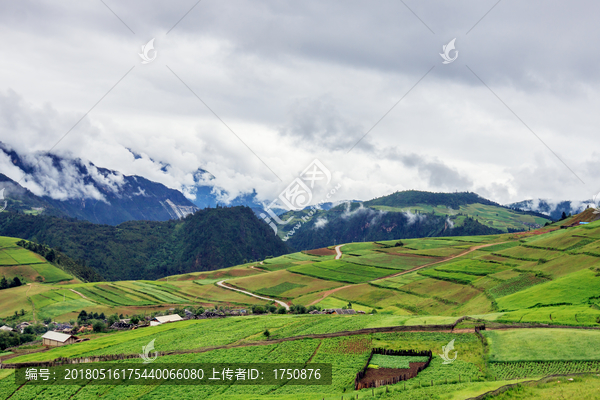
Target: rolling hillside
[524, 289]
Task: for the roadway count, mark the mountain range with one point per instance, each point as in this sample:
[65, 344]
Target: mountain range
[79, 189]
[407, 214]
[553, 209]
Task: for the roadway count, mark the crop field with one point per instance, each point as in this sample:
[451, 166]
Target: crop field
[351, 247]
[516, 284]
[575, 288]
[591, 249]
[428, 244]
[551, 344]
[528, 369]
[565, 265]
[283, 283]
[383, 361]
[64, 307]
[53, 296]
[333, 302]
[457, 277]
[445, 289]
[394, 262]
[394, 301]
[471, 267]
[529, 254]
[582, 315]
[16, 261]
[340, 271]
[50, 273]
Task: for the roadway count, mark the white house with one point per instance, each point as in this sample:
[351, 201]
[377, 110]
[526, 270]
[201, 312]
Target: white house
[165, 319]
[54, 339]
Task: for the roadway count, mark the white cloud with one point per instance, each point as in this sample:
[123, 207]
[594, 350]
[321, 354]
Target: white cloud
[303, 80]
[320, 223]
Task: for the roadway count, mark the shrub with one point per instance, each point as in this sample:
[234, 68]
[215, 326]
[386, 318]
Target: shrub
[99, 326]
[256, 309]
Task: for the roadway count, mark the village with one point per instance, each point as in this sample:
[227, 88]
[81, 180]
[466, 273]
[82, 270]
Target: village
[53, 334]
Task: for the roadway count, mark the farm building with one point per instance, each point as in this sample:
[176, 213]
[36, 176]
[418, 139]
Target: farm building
[6, 328]
[21, 327]
[341, 311]
[54, 339]
[165, 319]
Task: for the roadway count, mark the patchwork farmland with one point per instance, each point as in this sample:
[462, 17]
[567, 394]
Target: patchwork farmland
[531, 302]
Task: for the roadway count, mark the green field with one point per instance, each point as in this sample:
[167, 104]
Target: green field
[544, 345]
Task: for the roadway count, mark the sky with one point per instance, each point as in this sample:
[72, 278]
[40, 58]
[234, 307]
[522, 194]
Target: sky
[254, 91]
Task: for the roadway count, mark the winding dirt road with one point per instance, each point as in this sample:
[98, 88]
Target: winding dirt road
[281, 303]
[76, 292]
[338, 252]
[472, 249]
[329, 292]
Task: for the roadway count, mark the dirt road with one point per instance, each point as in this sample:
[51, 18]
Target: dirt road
[338, 252]
[329, 292]
[472, 249]
[76, 292]
[281, 303]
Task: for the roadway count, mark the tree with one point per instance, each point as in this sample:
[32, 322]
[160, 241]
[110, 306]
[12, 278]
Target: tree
[16, 282]
[267, 333]
[256, 309]
[99, 326]
[298, 309]
[563, 216]
[373, 311]
[83, 316]
[271, 308]
[22, 312]
[135, 320]
[349, 305]
[3, 283]
[112, 319]
[281, 310]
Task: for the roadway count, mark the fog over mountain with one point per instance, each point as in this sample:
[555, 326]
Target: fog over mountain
[252, 92]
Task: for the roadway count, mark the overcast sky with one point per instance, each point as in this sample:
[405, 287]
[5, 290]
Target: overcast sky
[515, 116]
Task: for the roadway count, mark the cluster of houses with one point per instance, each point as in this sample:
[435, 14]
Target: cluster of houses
[63, 334]
[337, 311]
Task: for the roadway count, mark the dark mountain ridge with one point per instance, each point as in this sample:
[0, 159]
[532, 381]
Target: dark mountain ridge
[210, 239]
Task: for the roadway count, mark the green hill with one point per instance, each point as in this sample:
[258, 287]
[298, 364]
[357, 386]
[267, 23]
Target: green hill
[408, 214]
[28, 266]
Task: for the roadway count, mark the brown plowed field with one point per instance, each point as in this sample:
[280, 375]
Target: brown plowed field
[378, 374]
[321, 252]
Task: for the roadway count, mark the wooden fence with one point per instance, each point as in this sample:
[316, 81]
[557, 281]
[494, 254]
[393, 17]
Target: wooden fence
[395, 379]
